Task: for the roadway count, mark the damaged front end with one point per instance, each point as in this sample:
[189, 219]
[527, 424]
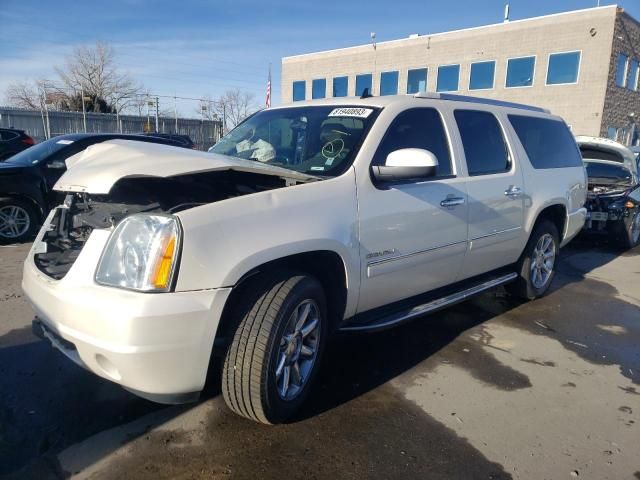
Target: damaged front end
[72, 223]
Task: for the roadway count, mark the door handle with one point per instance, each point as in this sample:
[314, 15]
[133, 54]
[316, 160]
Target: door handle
[452, 202]
[513, 192]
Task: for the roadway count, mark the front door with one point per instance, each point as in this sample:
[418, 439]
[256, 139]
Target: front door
[413, 235]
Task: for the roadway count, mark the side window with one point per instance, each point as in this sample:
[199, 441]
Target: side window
[484, 146]
[548, 143]
[7, 135]
[417, 128]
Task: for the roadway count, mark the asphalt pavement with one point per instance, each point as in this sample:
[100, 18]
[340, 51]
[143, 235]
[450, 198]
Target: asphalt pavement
[492, 388]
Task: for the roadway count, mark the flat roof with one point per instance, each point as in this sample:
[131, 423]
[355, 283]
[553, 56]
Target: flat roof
[481, 27]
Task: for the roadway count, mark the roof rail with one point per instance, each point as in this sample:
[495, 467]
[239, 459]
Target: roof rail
[484, 101]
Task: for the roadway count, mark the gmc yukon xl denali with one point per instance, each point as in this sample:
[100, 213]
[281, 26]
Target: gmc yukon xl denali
[332, 215]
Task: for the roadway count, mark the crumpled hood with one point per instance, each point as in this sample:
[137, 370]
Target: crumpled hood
[96, 169]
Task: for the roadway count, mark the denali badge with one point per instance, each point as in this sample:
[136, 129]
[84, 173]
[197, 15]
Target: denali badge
[382, 253]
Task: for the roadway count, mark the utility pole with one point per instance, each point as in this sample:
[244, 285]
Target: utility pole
[157, 112]
[84, 111]
[175, 112]
[224, 118]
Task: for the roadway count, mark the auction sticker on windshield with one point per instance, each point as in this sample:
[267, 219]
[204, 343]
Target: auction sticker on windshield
[351, 112]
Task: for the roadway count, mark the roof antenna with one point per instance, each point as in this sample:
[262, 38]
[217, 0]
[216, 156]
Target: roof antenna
[365, 93]
[506, 13]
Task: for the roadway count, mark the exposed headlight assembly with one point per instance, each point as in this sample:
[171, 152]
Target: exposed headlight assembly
[141, 253]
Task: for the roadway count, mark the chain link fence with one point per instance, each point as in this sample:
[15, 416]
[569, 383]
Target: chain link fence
[35, 123]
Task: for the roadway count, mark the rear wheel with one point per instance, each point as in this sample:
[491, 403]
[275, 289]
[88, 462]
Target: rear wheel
[274, 355]
[537, 264]
[18, 220]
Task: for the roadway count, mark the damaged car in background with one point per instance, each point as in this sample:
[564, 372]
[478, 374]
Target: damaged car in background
[613, 199]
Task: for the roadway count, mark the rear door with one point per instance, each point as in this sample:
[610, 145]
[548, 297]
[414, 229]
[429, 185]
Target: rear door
[495, 187]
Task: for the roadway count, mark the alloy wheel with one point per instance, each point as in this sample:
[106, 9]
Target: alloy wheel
[543, 260]
[298, 349]
[14, 221]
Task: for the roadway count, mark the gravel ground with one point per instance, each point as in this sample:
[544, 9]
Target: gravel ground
[492, 388]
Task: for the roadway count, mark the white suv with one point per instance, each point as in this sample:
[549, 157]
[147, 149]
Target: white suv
[340, 214]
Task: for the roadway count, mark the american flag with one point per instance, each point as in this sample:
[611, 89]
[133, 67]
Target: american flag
[268, 99]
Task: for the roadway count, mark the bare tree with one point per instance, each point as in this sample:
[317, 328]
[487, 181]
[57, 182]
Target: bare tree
[92, 71]
[233, 106]
[23, 95]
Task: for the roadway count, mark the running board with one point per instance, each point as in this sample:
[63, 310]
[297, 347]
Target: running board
[407, 314]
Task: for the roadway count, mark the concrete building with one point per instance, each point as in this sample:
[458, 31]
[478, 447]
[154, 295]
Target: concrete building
[582, 65]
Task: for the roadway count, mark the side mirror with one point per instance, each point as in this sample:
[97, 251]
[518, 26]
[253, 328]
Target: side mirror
[57, 165]
[406, 164]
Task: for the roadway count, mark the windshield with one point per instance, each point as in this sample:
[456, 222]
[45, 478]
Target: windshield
[35, 154]
[318, 140]
[607, 173]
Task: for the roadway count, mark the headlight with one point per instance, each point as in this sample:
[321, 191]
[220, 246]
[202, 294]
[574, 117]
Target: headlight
[141, 253]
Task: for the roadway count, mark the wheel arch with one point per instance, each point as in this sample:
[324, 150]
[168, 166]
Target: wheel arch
[557, 214]
[326, 265]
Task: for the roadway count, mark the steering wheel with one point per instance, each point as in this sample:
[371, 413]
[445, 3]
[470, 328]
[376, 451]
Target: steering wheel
[332, 148]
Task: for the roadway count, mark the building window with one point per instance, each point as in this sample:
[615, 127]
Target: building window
[299, 90]
[482, 75]
[563, 68]
[340, 86]
[363, 82]
[319, 88]
[448, 78]
[621, 70]
[484, 146]
[417, 80]
[520, 72]
[612, 133]
[389, 83]
[633, 77]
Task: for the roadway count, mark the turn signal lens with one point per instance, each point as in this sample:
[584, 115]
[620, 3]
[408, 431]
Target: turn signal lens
[629, 204]
[162, 273]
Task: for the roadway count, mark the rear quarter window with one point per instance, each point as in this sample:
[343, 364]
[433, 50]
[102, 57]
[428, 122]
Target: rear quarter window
[548, 143]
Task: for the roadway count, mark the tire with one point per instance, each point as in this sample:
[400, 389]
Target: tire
[18, 220]
[530, 284]
[629, 235]
[265, 348]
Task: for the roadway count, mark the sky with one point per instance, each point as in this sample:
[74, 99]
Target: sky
[195, 48]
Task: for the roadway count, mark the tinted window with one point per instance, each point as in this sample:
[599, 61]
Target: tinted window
[483, 143]
[340, 86]
[8, 135]
[633, 75]
[417, 128]
[548, 143]
[417, 80]
[520, 72]
[621, 70]
[563, 68]
[298, 91]
[319, 88]
[448, 77]
[388, 83]
[363, 81]
[482, 75]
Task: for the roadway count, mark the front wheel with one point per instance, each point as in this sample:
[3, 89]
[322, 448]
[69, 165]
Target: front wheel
[630, 236]
[537, 265]
[274, 355]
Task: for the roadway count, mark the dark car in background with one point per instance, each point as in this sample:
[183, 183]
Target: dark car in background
[13, 141]
[27, 180]
[183, 140]
[613, 197]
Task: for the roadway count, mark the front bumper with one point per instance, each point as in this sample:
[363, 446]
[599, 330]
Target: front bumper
[156, 345]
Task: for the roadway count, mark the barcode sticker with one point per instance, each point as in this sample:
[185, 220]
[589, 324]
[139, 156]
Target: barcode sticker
[351, 112]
